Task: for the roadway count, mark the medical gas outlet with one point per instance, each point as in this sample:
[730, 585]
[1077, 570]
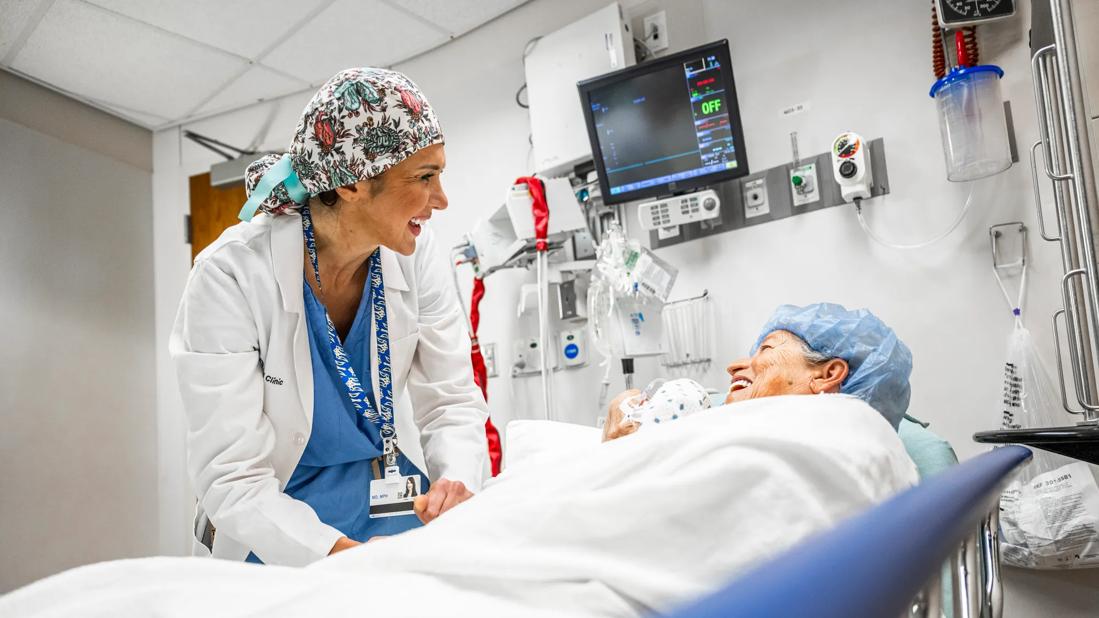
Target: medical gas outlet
[670, 212]
[851, 166]
[804, 188]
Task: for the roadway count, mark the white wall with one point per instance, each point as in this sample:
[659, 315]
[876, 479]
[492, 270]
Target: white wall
[77, 390]
[862, 66]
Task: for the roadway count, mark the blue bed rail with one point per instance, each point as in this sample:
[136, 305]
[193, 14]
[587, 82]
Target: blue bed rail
[875, 563]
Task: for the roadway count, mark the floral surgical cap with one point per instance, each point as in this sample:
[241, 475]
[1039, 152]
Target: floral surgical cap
[359, 124]
[879, 363]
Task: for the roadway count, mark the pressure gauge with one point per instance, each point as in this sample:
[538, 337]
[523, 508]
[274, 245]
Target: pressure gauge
[957, 13]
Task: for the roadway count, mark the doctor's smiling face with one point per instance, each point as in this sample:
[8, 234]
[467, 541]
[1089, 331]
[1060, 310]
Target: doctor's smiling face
[784, 365]
[392, 209]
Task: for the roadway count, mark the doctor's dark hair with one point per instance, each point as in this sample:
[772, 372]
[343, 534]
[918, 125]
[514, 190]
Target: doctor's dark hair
[330, 197]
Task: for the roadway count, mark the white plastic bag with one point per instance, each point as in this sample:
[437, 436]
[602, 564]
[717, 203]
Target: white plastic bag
[1049, 514]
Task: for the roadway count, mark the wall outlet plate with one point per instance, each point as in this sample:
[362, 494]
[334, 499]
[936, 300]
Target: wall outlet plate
[755, 198]
[528, 357]
[656, 31]
[573, 345]
[488, 351]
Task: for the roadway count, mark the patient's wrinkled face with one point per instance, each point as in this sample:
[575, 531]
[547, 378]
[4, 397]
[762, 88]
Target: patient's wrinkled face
[778, 367]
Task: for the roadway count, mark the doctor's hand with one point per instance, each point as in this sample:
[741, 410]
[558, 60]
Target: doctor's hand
[443, 496]
[342, 544]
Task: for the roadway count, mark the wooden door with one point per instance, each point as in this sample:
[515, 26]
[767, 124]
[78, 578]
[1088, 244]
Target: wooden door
[213, 209]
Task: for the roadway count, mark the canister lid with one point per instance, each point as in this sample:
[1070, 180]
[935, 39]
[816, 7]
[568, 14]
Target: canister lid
[961, 73]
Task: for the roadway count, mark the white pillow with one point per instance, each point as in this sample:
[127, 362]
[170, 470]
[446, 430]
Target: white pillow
[531, 439]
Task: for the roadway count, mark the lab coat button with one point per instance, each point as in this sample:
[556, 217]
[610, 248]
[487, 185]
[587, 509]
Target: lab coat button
[299, 439]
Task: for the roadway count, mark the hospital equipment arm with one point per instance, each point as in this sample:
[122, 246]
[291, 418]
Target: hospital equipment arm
[875, 563]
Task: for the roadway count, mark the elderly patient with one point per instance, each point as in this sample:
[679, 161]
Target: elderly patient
[813, 350]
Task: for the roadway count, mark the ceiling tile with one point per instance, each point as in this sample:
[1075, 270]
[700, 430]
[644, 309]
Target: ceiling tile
[257, 84]
[243, 27]
[95, 54]
[458, 16]
[15, 14]
[148, 121]
[380, 36]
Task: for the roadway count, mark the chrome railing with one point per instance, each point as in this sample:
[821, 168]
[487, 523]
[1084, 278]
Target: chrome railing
[1067, 161]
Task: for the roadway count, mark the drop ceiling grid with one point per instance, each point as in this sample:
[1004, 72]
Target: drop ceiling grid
[160, 62]
[108, 58]
[457, 18]
[241, 27]
[257, 84]
[15, 14]
[352, 33]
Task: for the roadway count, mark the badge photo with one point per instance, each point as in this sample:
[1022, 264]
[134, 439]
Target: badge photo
[393, 496]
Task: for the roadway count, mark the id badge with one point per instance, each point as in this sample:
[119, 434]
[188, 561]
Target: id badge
[393, 495]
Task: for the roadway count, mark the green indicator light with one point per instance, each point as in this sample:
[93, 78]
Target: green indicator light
[797, 181]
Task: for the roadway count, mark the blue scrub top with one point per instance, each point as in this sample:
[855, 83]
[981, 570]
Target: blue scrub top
[335, 470]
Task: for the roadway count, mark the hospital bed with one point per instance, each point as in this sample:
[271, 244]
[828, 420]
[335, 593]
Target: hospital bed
[580, 556]
[888, 561]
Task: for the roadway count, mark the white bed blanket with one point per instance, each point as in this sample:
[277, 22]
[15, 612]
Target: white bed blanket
[637, 525]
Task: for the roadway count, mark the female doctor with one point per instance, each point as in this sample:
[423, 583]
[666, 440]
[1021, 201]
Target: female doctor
[299, 328]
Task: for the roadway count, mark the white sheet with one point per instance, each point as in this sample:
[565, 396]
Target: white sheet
[635, 525]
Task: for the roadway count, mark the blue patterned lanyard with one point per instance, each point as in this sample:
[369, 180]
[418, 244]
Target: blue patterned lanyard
[382, 417]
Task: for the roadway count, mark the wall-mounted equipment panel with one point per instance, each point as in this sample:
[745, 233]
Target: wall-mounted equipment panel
[777, 193]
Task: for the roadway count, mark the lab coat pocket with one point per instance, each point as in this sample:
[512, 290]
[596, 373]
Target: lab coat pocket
[401, 352]
[203, 535]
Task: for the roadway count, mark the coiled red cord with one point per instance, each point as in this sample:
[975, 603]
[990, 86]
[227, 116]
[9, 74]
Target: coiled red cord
[965, 46]
[938, 54]
[969, 34]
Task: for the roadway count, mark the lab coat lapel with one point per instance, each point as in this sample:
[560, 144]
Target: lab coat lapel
[288, 255]
[392, 272]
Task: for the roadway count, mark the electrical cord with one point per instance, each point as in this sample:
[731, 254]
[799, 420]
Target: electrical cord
[529, 47]
[919, 245]
[643, 47]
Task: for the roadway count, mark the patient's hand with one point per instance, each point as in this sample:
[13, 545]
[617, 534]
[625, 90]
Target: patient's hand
[443, 496]
[614, 427]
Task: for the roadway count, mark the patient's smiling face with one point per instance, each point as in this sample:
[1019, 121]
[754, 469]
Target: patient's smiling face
[779, 367]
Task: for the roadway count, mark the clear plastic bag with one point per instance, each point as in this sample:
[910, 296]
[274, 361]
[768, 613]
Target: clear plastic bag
[1049, 514]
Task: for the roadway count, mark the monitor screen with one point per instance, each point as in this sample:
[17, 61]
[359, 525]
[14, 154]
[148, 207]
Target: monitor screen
[665, 126]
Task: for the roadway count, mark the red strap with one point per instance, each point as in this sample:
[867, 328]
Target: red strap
[539, 209]
[961, 49]
[480, 374]
[495, 448]
[475, 304]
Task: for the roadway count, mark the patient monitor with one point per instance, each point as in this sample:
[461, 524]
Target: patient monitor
[669, 126]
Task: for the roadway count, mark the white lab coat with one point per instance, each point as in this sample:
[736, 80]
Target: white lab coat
[241, 349]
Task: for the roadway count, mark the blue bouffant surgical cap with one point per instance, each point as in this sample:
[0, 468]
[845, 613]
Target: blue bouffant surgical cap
[880, 364]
